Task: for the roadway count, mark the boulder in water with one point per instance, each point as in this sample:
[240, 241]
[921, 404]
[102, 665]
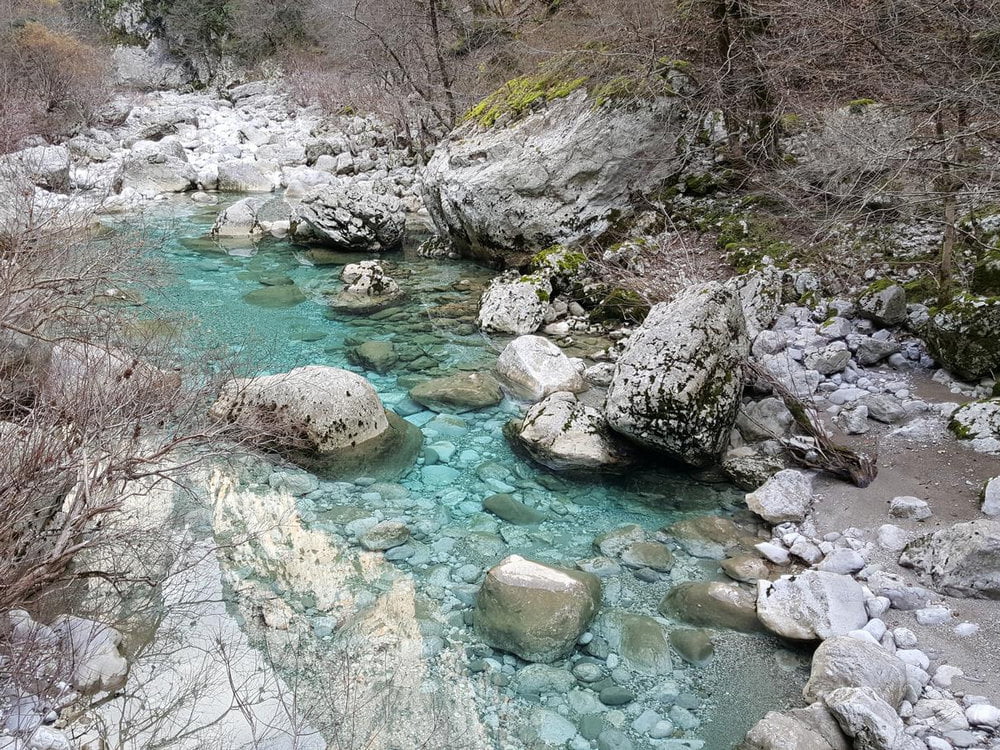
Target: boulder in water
[368, 288]
[323, 417]
[563, 434]
[677, 385]
[354, 217]
[712, 604]
[514, 304]
[534, 610]
[533, 368]
[458, 393]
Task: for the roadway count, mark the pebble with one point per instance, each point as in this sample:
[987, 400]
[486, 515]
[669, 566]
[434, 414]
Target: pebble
[683, 718]
[966, 629]
[616, 696]
[774, 553]
[904, 637]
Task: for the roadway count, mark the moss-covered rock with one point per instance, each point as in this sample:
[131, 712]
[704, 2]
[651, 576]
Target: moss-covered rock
[964, 336]
[520, 95]
[986, 275]
[676, 386]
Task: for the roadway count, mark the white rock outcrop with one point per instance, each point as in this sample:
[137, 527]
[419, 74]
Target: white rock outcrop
[558, 174]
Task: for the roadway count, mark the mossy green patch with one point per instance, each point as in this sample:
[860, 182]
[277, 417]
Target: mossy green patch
[519, 95]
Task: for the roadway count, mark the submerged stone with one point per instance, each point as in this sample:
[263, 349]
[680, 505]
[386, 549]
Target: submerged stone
[712, 604]
[512, 510]
[534, 610]
[459, 393]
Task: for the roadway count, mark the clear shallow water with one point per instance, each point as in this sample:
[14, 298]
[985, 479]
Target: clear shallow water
[241, 300]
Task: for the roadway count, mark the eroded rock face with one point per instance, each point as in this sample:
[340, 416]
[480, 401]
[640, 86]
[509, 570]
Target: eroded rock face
[561, 173]
[514, 304]
[534, 610]
[843, 661]
[563, 434]
[354, 216]
[677, 385]
[811, 605]
[533, 368]
[962, 560]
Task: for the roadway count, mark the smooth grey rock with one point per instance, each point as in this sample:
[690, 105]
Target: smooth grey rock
[533, 368]
[563, 434]
[812, 605]
[534, 610]
[866, 717]
[843, 661]
[786, 496]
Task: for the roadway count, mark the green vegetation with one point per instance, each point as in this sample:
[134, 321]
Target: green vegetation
[518, 95]
[558, 259]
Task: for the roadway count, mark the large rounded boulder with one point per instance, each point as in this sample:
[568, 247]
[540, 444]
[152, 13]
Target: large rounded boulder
[534, 610]
[501, 188]
[354, 217]
[964, 336]
[326, 418]
[677, 385]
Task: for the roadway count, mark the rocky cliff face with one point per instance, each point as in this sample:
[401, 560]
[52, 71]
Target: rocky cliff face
[568, 170]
